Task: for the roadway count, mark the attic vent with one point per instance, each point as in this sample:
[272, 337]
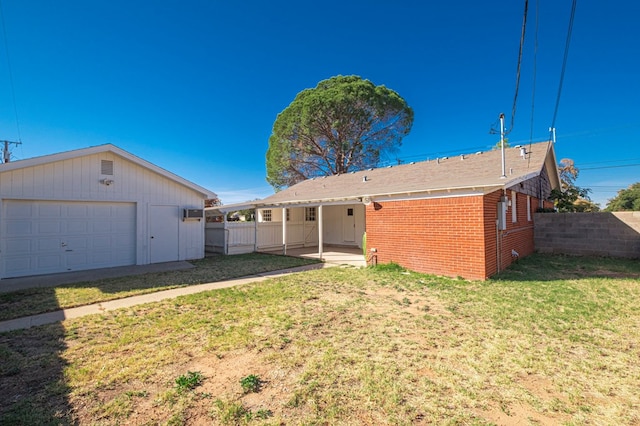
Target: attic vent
[106, 167]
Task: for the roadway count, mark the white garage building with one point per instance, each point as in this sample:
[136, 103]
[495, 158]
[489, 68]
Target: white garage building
[94, 208]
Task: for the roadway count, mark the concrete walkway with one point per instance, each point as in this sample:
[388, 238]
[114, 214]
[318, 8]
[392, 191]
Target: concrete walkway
[96, 308]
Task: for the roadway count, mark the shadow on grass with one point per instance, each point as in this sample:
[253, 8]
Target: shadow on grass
[210, 269]
[33, 390]
[547, 267]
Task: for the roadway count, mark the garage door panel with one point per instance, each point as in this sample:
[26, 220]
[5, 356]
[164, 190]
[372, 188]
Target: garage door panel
[19, 209]
[50, 262]
[49, 210]
[45, 237]
[18, 246]
[49, 226]
[19, 264]
[48, 244]
[18, 227]
[77, 227]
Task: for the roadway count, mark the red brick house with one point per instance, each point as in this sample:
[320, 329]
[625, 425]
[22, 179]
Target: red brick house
[468, 215]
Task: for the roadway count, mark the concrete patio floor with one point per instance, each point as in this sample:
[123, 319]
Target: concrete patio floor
[331, 254]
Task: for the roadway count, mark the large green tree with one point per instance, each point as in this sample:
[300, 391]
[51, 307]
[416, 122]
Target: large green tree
[627, 199]
[570, 197]
[344, 124]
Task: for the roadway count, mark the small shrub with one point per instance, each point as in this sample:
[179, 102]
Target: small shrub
[251, 383]
[189, 381]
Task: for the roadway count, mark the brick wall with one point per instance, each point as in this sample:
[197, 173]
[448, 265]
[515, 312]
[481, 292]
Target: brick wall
[441, 236]
[449, 236]
[589, 234]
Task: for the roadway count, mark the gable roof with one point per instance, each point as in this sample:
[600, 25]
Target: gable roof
[68, 155]
[479, 172]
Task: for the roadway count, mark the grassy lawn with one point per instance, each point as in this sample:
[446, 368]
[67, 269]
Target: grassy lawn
[552, 340]
[210, 269]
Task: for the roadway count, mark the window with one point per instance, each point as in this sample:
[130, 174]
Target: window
[287, 215]
[529, 208]
[310, 214]
[266, 215]
[349, 212]
[514, 202]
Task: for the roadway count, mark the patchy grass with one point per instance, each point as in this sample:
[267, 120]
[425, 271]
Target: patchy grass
[210, 269]
[349, 346]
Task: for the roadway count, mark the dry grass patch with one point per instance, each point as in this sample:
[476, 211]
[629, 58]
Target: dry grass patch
[210, 269]
[348, 346]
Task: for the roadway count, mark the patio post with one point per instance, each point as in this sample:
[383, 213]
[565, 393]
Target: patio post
[320, 232]
[284, 231]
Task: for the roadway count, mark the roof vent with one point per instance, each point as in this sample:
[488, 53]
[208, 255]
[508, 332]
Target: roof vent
[364, 178]
[461, 156]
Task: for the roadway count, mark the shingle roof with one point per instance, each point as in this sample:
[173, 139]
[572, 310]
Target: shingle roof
[478, 171]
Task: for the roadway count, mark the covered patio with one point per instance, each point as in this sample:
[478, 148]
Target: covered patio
[338, 255]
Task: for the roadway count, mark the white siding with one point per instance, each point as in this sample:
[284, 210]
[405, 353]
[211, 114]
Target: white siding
[78, 179]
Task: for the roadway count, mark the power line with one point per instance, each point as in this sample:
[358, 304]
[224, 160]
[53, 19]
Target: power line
[610, 167]
[522, 37]
[564, 63]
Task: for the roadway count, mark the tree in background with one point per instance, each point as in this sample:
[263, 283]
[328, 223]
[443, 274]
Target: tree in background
[343, 124]
[570, 198]
[627, 199]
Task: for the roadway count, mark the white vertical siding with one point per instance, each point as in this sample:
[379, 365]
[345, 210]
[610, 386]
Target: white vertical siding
[78, 179]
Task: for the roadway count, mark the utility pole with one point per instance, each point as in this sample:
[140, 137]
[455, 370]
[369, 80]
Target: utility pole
[6, 155]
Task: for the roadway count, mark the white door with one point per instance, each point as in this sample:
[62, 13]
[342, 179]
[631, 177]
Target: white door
[163, 233]
[42, 237]
[349, 225]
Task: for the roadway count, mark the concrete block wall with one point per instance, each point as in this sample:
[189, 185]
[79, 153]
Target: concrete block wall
[589, 234]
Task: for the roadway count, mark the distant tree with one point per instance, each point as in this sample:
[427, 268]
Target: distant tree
[586, 206]
[627, 199]
[566, 197]
[343, 124]
[498, 144]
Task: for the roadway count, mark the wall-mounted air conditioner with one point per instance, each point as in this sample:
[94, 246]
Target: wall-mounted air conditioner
[192, 214]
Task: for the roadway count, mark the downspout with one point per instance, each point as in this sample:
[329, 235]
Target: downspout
[284, 231]
[320, 232]
[225, 234]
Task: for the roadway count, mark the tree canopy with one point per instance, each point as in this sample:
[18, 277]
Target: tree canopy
[344, 124]
[627, 199]
[571, 198]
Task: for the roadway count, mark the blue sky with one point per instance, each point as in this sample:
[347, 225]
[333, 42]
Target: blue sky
[195, 86]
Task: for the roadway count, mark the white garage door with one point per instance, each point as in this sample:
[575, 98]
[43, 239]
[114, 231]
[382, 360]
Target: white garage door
[41, 237]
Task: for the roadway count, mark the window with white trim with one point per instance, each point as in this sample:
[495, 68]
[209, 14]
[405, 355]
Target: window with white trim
[266, 215]
[529, 208]
[310, 214]
[514, 202]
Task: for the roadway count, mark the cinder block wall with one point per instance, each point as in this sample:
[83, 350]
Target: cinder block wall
[589, 234]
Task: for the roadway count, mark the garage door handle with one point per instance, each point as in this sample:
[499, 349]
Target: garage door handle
[152, 237]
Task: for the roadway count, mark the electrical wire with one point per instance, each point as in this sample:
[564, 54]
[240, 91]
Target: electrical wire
[518, 68]
[564, 63]
[13, 92]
